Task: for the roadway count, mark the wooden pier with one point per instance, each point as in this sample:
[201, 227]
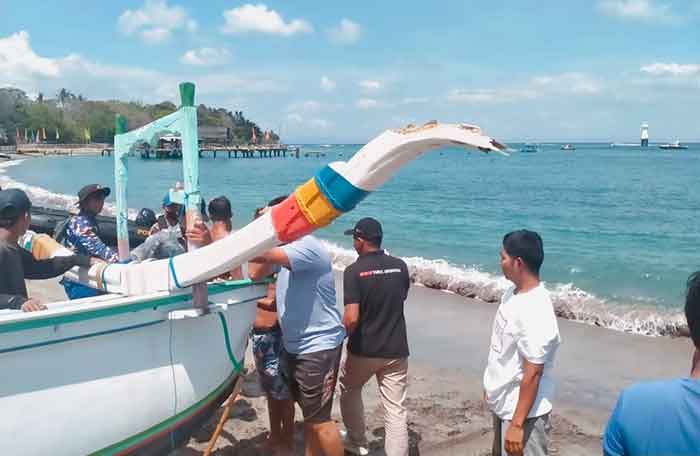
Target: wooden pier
[250, 151]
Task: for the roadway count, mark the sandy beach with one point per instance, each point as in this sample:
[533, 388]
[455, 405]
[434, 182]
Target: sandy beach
[448, 336]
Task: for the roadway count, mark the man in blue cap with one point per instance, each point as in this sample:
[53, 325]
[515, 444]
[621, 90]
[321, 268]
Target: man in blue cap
[18, 264]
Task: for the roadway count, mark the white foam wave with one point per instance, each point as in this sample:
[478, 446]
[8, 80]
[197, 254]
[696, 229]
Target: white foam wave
[45, 198]
[569, 301]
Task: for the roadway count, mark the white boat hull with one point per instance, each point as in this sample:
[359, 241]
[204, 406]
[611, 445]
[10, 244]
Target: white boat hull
[116, 379]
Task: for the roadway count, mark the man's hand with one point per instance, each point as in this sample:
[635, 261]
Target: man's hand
[514, 440]
[32, 305]
[199, 234]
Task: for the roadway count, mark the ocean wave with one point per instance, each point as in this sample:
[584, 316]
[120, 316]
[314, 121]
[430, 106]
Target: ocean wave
[44, 198]
[570, 302]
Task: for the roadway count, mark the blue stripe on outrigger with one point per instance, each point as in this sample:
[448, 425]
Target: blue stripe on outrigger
[340, 192]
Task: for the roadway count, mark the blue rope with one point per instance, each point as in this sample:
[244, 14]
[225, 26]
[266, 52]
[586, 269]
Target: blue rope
[171, 265]
[102, 277]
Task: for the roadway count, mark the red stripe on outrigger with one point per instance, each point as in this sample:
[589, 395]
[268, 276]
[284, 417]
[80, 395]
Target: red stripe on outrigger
[289, 220]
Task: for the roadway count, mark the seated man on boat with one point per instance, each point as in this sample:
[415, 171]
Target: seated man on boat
[17, 263]
[166, 236]
[221, 217]
[82, 236]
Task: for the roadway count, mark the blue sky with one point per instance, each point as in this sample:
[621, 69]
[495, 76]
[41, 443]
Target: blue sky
[344, 71]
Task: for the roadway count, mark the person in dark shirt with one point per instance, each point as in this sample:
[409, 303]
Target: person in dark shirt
[375, 288]
[18, 264]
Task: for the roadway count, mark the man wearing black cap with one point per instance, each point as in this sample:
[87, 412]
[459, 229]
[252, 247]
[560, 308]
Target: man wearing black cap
[375, 288]
[82, 235]
[18, 264]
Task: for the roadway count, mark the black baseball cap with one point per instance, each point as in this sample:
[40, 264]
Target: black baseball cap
[13, 203]
[91, 189]
[367, 228]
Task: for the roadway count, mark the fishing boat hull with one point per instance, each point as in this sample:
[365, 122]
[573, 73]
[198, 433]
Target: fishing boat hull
[120, 375]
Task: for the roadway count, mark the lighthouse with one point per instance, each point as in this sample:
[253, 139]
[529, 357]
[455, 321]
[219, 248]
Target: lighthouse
[645, 134]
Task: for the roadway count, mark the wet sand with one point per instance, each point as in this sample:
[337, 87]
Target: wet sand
[449, 336]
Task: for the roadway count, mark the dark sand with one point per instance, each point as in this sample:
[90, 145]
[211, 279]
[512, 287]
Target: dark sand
[449, 338]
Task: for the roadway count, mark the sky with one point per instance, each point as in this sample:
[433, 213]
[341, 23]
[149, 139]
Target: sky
[342, 72]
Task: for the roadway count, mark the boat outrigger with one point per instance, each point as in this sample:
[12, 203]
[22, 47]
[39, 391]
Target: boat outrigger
[137, 369]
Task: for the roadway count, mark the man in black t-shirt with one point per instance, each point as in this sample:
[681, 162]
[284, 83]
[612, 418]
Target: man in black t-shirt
[375, 288]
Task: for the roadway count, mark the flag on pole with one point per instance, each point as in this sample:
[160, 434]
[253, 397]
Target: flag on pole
[87, 135]
[33, 137]
[43, 134]
[18, 137]
[254, 138]
[57, 135]
[26, 135]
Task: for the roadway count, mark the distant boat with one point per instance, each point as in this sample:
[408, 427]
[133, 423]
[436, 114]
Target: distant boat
[529, 149]
[674, 145]
[624, 145]
[568, 147]
[325, 146]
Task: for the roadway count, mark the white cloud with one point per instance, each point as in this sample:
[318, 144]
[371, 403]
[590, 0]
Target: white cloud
[258, 18]
[205, 56]
[320, 123]
[295, 117]
[490, 95]
[19, 63]
[305, 106]
[415, 100]
[638, 10]
[366, 103]
[576, 83]
[672, 69]
[155, 21]
[371, 86]
[327, 84]
[21, 67]
[346, 32]
[299, 120]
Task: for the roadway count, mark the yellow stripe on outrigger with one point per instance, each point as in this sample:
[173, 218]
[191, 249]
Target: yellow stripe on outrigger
[314, 204]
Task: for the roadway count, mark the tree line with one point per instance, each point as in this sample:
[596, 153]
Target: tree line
[71, 118]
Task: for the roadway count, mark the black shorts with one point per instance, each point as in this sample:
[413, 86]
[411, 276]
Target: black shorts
[311, 379]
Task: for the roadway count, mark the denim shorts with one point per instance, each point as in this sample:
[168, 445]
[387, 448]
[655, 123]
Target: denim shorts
[267, 348]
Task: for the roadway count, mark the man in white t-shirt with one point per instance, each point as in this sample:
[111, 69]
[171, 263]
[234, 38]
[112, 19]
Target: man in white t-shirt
[518, 386]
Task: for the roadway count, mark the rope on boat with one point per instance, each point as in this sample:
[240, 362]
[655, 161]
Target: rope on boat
[171, 266]
[236, 364]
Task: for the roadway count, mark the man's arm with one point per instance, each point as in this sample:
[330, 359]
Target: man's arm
[93, 245]
[45, 269]
[10, 301]
[351, 299]
[532, 373]
[265, 264]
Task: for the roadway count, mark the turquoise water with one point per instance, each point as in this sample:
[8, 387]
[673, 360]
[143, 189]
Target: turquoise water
[619, 224]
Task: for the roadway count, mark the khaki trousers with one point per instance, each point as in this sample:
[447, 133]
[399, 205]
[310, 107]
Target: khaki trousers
[392, 379]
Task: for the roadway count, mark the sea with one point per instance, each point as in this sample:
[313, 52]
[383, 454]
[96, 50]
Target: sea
[619, 224]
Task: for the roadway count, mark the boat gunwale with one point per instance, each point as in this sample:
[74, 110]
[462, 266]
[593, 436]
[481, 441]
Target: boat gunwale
[108, 307]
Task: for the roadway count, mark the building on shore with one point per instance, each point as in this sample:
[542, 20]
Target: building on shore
[645, 134]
